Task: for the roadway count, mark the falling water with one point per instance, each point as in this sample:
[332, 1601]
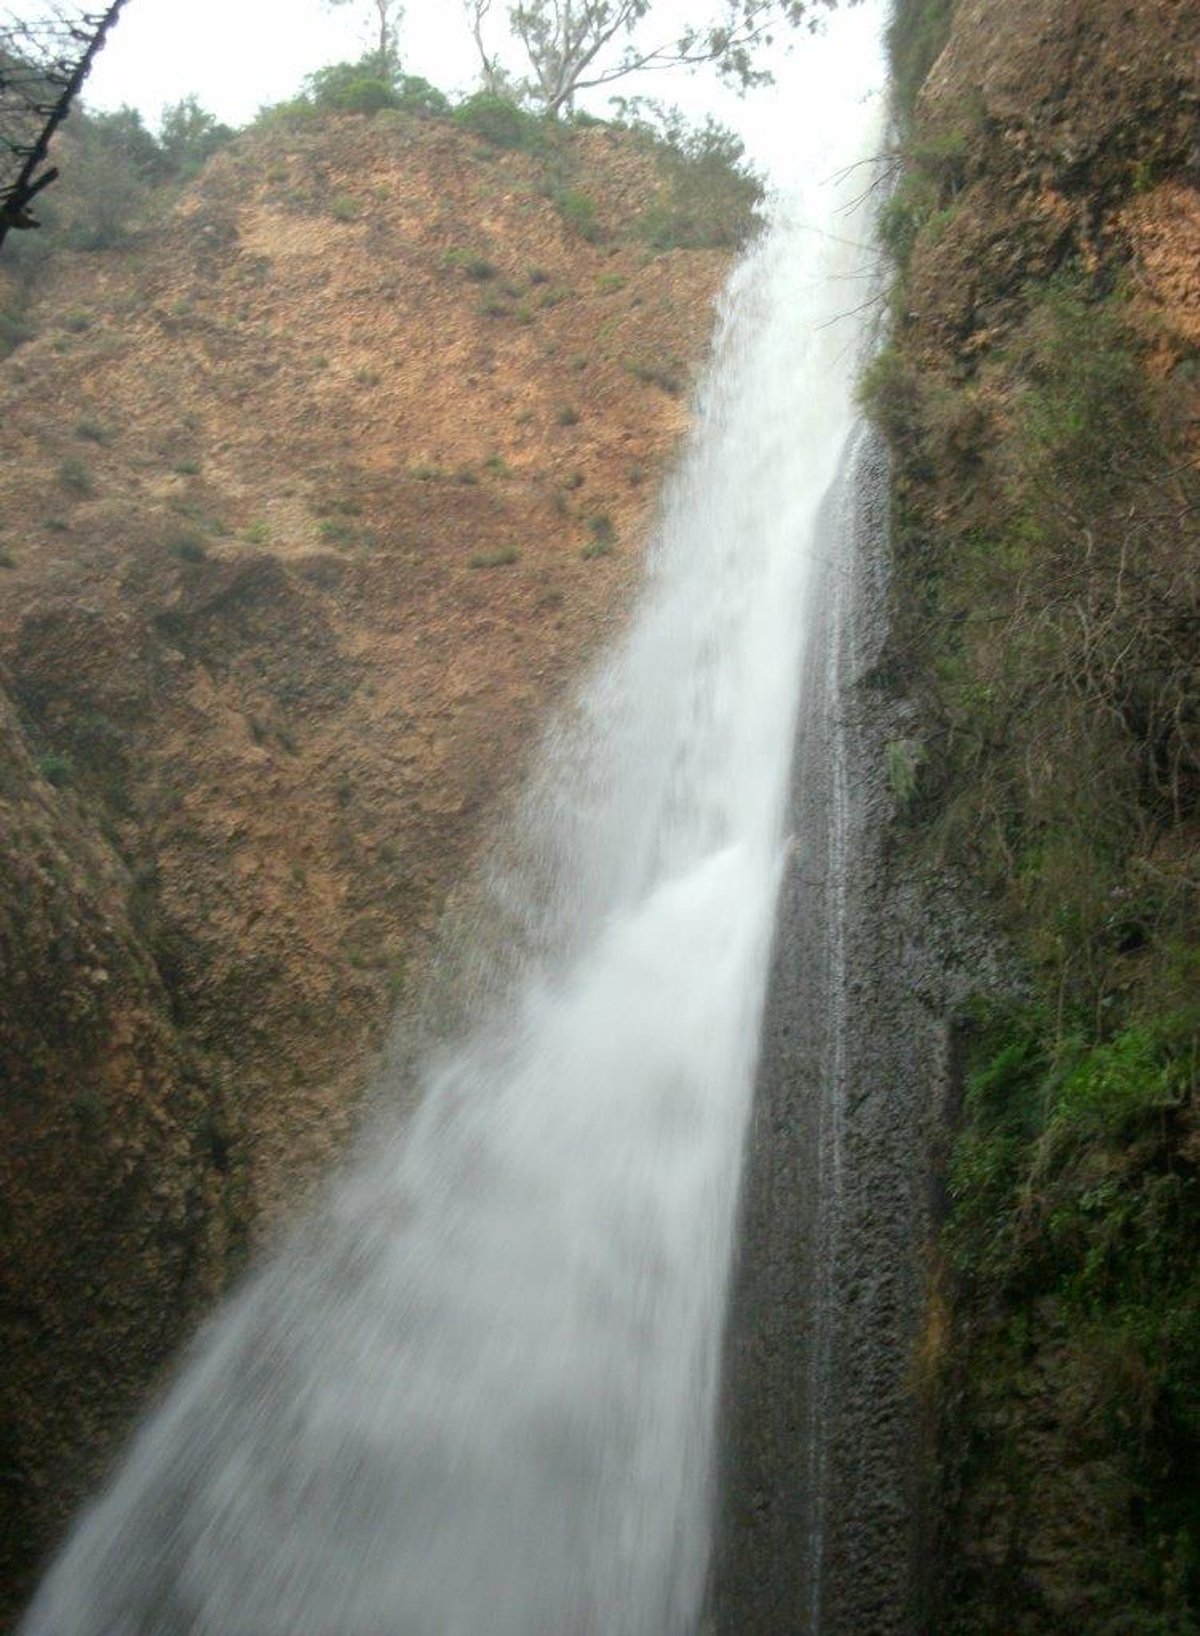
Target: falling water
[477, 1393]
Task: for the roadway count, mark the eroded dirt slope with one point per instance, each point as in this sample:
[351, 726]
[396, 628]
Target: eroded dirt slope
[312, 502]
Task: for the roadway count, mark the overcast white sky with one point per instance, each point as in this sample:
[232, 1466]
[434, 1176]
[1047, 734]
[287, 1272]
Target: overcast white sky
[237, 55]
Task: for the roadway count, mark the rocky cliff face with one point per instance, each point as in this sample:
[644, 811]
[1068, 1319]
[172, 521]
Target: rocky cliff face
[1041, 398]
[315, 499]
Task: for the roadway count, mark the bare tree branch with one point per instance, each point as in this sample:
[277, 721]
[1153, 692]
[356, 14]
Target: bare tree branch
[577, 45]
[389, 14]
[43, 64]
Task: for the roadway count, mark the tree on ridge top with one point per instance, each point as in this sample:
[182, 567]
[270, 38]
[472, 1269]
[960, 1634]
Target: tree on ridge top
[576, 45]
[389, 14]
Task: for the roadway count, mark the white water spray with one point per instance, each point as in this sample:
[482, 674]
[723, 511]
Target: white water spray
[476, 1397]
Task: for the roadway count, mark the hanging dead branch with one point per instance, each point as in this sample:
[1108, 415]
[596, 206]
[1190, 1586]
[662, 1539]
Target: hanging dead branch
[44, 61]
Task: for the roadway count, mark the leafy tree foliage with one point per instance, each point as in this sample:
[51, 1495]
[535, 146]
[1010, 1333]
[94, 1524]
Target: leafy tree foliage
[189, 136]
[499, 121]
[575, 45]
[366, 86]
[710, 195]
[112, 163]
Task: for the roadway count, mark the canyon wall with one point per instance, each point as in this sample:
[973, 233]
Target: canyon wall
[1040, 392]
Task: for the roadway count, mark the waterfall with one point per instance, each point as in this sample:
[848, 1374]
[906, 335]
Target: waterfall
[476, 1394]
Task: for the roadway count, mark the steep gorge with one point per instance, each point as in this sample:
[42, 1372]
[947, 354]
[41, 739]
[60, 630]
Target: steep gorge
[270, 669]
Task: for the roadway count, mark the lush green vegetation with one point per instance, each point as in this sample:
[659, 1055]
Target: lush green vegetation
[1046, 534]
[1073, 1241]
[916, 34]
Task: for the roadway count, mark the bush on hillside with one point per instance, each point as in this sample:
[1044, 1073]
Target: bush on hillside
[188, 137]
[500, 122]
[709, 197]
[111, 164]
[351, 87]
[367, 86]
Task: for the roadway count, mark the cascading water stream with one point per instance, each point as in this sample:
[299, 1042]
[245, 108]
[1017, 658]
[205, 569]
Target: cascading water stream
[477, 1393]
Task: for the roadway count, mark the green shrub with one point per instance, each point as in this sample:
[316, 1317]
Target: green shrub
[916, 35]
[501, 558]
[285, 115]
[890, 394]
[1120, 1085]
[578, 211]
[75, 476]
[368, 86]
[416, 96]
[109, 181]
[902, 217]
[904, 757]
[55, 768]
[475, 266]
[1064, 1185]
[709, 196]
[602, 537]
[188, 136]
[943, 155]
[188, 547]
[362, 87]
[339, 531]
[665, 373]
[1085, 418]
[117, 167]
[500, 122]
[15, 329]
